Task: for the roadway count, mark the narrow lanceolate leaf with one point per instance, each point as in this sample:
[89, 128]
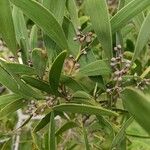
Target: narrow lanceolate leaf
[55, 72]
[12, 107]
[15, 84]
[6, 26]
[70, 32]
[73, 12]
[43, 122]
[21, 69]
[57, 7]
[39, 60]
[72, 83]
[33, 40]
[121, 134]
[39, 84]
[5, 99]
[65, 127]
[143, 37]
[87, 146]
[20, 27]
[98, 67]
[98, 11]
[7, 80]
[127, 13]
[83, 109]
[24, 51]
[45, 20]
[138, 105]
[83, 98]
[51, 134]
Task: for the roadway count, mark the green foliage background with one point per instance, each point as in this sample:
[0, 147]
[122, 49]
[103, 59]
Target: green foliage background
[74, 74]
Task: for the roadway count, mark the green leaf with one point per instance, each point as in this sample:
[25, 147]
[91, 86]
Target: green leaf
[39, 84]
[87, 59]
[20, 69]
[12, 107]
[121, 134]
[127, 13]
[70, 32]
[27, 91]
[138, 105]
[5, 99]
[72, 83]
[65, 127]
[99, 15]
[83, 109]
[83, 97]
[55, 72]
[33, 40]
[39, 60]
[21, 29]
[6, 26]
[102, 121]
[7, 80]
[45, 20]
[138, 20]
[36, 142]
[15, 84]
[20, 25]
[51, 134]
[24, 51]
[86, 139]
[43, 122]
[73, 12]
[143, 37]
[57, 8]
[98, 67]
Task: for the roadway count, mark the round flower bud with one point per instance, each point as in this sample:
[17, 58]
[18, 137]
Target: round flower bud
[112, 64]
[108, 90]
[113, 59]
[84, 52]
[127, 65]
[119, 46]
[115, 48]
[117, 72]
[120, 79]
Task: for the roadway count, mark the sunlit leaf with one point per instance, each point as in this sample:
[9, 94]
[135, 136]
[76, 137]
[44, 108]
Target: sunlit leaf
[138, 105]
[7, 27]
[98, 12]
[83, 109]
[12, 107]
[39, 60]
[127, 13]
[95, 68]
[51, 134]
[143, 37]
[55, 72]
[44, 20]
[8, 98]
[39, 84]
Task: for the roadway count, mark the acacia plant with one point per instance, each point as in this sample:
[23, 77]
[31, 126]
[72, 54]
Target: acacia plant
[74, 74]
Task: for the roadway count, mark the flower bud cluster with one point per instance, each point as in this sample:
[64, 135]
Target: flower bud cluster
[50, 100]
[31, 107]
[120, 67]
[83, 38]
[143, 84]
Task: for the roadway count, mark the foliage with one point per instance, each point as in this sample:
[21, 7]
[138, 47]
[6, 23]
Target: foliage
[74, 74]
